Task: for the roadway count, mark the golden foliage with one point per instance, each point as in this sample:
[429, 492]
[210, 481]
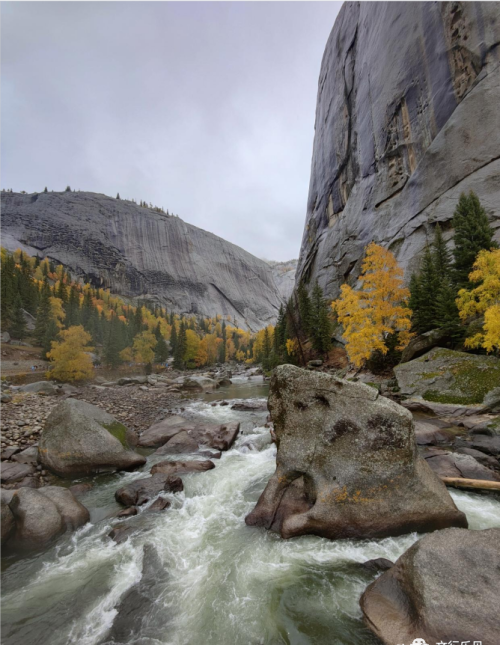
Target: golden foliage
[483, 300]
[377, 310]
[58, 313]
[144, 344]
[69, 358]
[192, 345]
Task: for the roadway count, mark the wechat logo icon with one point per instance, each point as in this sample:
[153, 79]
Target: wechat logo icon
[419, 641]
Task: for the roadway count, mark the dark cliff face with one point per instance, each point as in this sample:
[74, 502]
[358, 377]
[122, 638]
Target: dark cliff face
[407, 118]
[137, 252]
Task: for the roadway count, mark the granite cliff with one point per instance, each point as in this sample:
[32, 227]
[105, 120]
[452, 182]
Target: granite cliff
[140, 253]
[407, 118]
[284, 277]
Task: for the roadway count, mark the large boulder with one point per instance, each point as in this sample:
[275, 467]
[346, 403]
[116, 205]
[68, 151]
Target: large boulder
[162, 431]
[356, 454]
[81, 439]
[13, 472]
[199, 384]
[38, 521]
[446, 376]
[443, 589]
[423, 343]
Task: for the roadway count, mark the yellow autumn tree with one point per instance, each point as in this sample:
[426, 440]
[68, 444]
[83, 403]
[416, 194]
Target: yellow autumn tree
[58, 313]
[192, 346]
[484, 299]
[369, 316]
[144, 344]
[69, 357]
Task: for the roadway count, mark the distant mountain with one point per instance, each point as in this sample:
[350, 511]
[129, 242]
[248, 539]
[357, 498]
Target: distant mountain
[284, 276]
[141, 253]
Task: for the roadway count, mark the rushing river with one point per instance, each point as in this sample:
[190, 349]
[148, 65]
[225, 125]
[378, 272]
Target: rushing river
[217, 581]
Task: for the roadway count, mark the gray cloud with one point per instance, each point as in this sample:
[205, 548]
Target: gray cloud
[206, 109]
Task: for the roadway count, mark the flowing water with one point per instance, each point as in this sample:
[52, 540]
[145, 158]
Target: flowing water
[216, 581]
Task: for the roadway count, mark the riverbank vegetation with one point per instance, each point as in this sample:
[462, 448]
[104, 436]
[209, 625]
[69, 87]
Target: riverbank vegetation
[41, 301]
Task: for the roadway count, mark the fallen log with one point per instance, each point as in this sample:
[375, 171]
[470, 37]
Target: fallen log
[476, 484]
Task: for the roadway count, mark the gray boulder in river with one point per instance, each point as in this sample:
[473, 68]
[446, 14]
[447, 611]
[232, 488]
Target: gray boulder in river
[40, 516]
[138, 252]
[407, 118]
[347, 464]
[443, 589]
[81, 439]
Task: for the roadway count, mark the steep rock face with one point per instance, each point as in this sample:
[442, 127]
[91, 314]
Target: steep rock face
[284, 277]
[407, 118]
[138, 252]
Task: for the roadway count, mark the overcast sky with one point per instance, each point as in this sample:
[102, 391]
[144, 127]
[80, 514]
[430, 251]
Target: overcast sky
[206, 109]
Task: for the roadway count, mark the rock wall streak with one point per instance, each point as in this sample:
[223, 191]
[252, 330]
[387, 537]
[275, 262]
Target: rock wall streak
[407, 118]
[137, 252]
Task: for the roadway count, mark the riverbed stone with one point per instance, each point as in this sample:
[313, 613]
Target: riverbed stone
[142, 490]
[447, 376]
[40, 387]
[81, 439]
[444, 588]
[161, 431]
[13, 472]
[7, 524]
[182, 467]
[356, 453]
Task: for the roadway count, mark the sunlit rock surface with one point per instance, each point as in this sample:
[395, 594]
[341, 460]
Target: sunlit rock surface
[138, 252]
[407, 118]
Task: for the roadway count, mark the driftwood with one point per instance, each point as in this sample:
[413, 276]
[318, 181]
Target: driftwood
[476, 484]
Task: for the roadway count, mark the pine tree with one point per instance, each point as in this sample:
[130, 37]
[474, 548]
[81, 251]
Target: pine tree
[415, 303]
[472, 234]
[321, 328]
[180, 348]
[8, 289]
[429, 286]
[173, 339]
[43, 314]
[112, 346]
[304, 309]
[118, 196]
[45, 190]
[441, 254]
[50, 335]
[18, 323]
[73, 308]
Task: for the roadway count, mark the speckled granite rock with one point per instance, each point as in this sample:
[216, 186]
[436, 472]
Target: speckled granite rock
[138, 252]
[407, 118]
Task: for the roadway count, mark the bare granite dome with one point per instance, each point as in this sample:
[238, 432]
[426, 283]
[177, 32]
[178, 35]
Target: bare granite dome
[407, 118]
[138, 252]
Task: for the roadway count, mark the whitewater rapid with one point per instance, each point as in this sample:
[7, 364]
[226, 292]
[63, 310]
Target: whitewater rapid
[221, 582]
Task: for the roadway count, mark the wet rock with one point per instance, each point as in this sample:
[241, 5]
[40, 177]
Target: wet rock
[315, 363]
[128, 512]
[80, 489]
[182, 467]
[73, 513]
[13, 472]
[81, 439]
[250, 406]
[428, 434]
[141, 491]
[447, 376]
[5, 398]
[445, 587]
[38, 521]
[159, 433]
[378, 564]
[40, 387]
[199, 384]
[120, 534]
[133, 619]
[160, 504]
[180, 444]
[218, 437]
[356, 452]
